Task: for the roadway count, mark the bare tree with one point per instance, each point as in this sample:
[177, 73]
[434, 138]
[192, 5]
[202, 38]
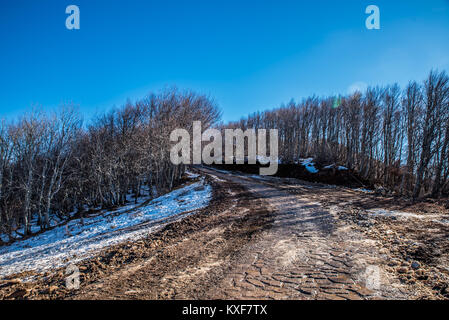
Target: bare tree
[436, 91]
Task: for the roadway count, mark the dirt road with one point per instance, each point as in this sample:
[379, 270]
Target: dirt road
[306, 254]
[267, 244]
[260, 238]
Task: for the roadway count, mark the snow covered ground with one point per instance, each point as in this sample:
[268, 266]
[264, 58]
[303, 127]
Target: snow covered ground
[340, 168]
[309, 164]
[82, 239]
[364, 190]
[401, 214]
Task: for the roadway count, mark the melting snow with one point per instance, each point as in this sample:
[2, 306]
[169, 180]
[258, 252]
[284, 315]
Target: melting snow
[340, 168]
[192, 175]
[255, 176]
[364, 190]
[77, 241]
[265, 160]
[216, 178]
[392, 213]
[310, 166]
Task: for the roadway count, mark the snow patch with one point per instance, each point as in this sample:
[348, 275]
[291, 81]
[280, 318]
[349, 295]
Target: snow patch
[192, 175]
[266, 160]
[216, 178]
[398, 214]
[309, 165]
[364, 190]
[79, 240]
[340, 168]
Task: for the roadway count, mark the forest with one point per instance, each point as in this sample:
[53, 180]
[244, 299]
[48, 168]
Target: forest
[52, 166]
[396, 138]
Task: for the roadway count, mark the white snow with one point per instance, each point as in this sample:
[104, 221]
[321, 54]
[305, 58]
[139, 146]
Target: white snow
[309, 164]
[331, 166]
[265, 160]
[399, 214]
[192, 175]
[364, 190]
[216, 178]
[74, 242]
[255, 176]
[304, 161]
[340, 168]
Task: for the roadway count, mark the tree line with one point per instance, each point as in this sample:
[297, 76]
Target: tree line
[396, 138]
[52, 166]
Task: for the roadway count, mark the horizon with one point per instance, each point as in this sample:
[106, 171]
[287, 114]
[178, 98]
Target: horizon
[248, 57]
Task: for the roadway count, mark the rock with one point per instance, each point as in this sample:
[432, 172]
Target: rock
[419, 273]
[5, 283]
[415, 265]
[53, 289]
[393, 263]
[365, 224]
[381, 191]
[402, 270]
[18, 294]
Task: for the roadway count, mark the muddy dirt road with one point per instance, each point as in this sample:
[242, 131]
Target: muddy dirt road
[260, 238]
[306, 254]
[267, 244]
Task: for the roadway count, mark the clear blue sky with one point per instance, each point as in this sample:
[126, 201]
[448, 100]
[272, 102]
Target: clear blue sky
[249, 55]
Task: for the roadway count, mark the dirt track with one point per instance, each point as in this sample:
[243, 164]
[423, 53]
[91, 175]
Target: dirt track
[267, 238]
[268, 244]
[305, 254]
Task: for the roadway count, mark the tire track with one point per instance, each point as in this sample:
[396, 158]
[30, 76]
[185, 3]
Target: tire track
[306, 254]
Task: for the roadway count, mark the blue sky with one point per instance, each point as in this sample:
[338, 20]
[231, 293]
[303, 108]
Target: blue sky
[249, 55]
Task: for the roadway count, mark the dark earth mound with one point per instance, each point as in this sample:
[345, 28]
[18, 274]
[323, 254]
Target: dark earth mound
[326, 174]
